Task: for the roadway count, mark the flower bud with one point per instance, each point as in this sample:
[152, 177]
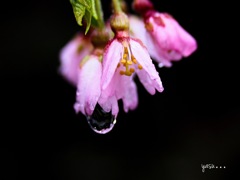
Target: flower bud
[142, 6]
[119, 22]
[99, 38]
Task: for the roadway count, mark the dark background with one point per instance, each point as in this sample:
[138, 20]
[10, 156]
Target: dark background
[195, 121]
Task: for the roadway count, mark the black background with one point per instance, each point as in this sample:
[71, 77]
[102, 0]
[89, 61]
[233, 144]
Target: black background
[195, 121]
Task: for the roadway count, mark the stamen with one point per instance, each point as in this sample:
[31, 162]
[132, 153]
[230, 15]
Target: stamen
[134, 60]
[125, 50]
[123, 61]
[149, 26]
[122, 72]
[140, 66]
[129, 62]
[128, 73]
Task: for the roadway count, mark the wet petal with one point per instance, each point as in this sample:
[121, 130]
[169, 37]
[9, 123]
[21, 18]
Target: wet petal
[113, 87]
[179, 39]
[71, 55]
[115, 108]
[88, 89]
[111, 58]
[157, 53]
[130, 98]
[144, 59]
[146, 81]
[123, 83]
[169, 40]
[188, 43]
[110, 104]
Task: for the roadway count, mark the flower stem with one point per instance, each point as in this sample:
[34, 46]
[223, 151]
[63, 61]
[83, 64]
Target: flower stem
[117, 6]
[99, 10]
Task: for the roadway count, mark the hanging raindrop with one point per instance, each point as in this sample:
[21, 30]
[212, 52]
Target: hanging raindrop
[100, 121]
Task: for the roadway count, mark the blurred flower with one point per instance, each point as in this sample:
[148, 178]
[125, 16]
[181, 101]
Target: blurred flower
[72, 54]
[170, 41]
[165, 39]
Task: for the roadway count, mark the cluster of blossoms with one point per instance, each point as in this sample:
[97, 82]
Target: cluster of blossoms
[103, 64]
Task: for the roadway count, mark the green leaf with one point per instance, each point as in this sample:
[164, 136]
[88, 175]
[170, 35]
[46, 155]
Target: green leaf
[79, 12]
[88, 18]
[85, 10]
[99, 21]
[94, 12]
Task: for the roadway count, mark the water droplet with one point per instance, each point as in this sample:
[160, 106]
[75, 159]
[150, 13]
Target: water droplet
[100, 121]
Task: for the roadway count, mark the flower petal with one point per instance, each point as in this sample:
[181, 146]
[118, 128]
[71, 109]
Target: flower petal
[173, 37]
[112, 87]
[88, 89]
[188, 43]
[111, 58]
[71, 55]
[138, 30]
[115, 108]
[145, 61]
[157, 53]
[110, 104]
[130, 98]
[146, 81]
[180, 40]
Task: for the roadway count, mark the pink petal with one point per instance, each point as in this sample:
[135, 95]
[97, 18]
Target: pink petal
[110, 104]
[111, 92]
[123, 83]
[168, 41]
[88, 89]
[70, 57]
[188, 43]
[157, 53]
[144, 59]
[112, 87]
[130, 99]
[181, 40]
[146, 81]
[115, 108]
[176, 38]
[137, 28]
[111, 58]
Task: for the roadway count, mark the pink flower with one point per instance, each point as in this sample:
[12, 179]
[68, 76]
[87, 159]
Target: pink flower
[165, 39]
[168, 39]
[89, 92]
[121, 87]
[138, 29]
[123, 57]
[71, 55]
[81, 65]
[88, 86]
